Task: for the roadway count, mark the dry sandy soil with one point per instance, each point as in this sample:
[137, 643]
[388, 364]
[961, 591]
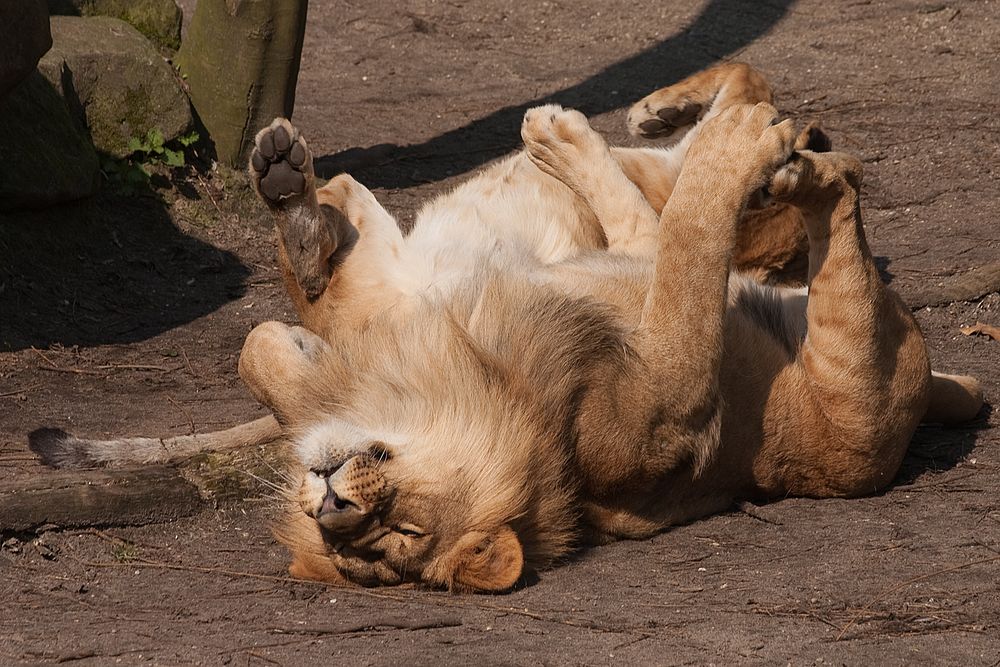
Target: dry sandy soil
[137, 307]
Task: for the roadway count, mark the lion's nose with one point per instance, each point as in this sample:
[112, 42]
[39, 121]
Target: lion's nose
[334, 503]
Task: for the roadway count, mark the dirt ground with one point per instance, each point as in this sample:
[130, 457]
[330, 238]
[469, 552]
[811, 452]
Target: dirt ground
[126, 314]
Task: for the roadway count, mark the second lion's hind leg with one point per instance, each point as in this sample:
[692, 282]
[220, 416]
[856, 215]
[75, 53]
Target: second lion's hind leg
[860, 383]
[561, 143]
[670, 112]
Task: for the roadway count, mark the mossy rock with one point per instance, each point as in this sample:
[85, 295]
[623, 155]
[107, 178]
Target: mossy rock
[47, 159]
[159, 20]
[114, 81]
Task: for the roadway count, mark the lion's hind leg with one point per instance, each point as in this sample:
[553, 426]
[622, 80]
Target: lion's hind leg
[281, 171]
[561, 143]
[336, 243]
[669, 113]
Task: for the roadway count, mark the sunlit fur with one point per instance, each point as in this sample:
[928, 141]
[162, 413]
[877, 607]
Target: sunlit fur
[559, 353]
[502, 353]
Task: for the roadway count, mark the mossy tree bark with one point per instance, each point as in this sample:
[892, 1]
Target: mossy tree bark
[241, 61]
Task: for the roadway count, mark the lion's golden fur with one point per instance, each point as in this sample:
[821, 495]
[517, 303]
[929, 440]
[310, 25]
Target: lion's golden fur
[578, 344]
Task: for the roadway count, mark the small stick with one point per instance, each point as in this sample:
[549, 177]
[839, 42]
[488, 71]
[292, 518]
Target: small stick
[752, 510]
[78, 371]
[432, 600]
[208, 191]
[20, 391]
[44, 358]
[186, 413]
[886, 593]
[188, 362]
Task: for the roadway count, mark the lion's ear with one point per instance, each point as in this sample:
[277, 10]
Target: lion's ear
[488, 562]
[275, 360]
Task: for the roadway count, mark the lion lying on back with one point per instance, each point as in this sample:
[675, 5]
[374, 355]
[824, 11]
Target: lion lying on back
[560, 353]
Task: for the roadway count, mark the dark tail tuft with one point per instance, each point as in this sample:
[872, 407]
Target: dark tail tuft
[58, 449]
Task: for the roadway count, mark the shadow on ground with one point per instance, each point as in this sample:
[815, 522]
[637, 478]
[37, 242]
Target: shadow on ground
[723, 28]
[112, 269]
[935, 448]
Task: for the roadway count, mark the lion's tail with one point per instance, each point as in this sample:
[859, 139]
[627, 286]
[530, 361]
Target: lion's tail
[60, 449]
[954, 398]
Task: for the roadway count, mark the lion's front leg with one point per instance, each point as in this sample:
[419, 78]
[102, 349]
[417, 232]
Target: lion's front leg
[335, 243]
[680, 336]
[281, 171]
[662, 412]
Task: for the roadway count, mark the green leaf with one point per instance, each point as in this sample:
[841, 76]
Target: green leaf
[173, 158]
[155, 138]
[134, 144]
[189, 139]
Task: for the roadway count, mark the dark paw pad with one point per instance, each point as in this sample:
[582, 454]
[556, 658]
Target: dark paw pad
[282, 180]
[280, 162]
[670, 119]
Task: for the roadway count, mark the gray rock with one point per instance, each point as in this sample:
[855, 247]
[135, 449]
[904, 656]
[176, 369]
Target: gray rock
[24, 36]
[114, 81]
[159, 20]
[46, 158]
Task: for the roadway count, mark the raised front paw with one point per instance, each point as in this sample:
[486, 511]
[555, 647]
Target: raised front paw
[561, 142]
[810, 178]
[281, 164]
[670, 112]
[741, 148]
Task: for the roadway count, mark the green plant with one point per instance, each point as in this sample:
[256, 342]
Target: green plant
[125, 552]
[131, 173]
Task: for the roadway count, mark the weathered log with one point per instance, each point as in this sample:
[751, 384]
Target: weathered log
[241, 61]
[83, 498]
[967, 286]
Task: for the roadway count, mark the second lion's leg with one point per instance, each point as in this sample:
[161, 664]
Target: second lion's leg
[860, 384]
[562, 143]
[663, 408]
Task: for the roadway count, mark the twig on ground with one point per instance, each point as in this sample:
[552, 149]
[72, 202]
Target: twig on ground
[752, 510]
[395, 624]
[22, 390]
[926, 485]
[184, 410]
[137, 367]
[78, 371]
[188, 363]
[396, 596]
[208, 191]
[889, 591]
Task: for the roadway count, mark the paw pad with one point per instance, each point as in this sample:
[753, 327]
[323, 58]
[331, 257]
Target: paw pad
[670, 119]
[279, 163]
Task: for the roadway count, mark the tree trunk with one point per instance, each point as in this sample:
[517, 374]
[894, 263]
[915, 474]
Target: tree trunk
[241, 61]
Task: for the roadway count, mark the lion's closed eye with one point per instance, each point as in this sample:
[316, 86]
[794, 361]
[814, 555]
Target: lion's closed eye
[409, 530]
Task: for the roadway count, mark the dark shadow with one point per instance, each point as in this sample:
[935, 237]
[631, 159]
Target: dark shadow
[882, 264]
[109, 269]
[112, 269]
[723, 28]
[935, 448]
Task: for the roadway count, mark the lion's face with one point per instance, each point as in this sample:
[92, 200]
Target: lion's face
[441, 473]
[381, 522]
